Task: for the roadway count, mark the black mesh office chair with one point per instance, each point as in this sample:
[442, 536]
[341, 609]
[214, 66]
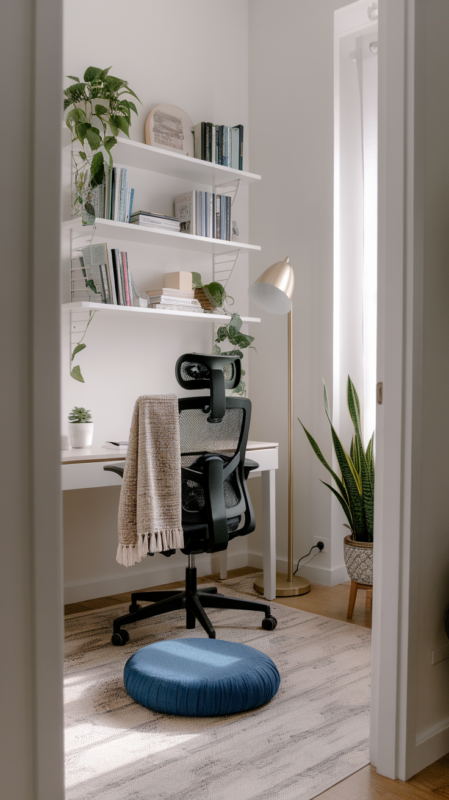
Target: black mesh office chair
[216, 506]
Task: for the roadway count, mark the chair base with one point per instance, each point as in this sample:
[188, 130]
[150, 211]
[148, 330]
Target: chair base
[193, 600]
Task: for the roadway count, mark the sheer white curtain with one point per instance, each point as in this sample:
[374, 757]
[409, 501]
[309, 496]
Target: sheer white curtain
[366, 58]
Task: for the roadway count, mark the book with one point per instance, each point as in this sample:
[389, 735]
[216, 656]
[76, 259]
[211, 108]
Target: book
[240, 129]
[120, 447]
[103, 256]
[235, 148]
[126, 278]
[183, 301]
[115, 259]
[170, 293]
[170, 307]
[199, 133]
[185, 211]
[149, 222]
[94, 257]
[104, 283]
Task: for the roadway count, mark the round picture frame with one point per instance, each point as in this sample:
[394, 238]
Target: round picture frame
[170, 128]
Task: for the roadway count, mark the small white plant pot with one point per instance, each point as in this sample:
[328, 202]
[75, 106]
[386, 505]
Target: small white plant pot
[81, 434]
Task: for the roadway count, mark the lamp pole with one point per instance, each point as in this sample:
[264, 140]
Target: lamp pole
[273, 292]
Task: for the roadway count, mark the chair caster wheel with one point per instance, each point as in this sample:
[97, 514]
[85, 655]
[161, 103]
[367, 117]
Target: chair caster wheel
[269, 623]
[120, 638]
[134, 607]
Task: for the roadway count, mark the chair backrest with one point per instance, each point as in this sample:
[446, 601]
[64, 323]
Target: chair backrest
[224, 440]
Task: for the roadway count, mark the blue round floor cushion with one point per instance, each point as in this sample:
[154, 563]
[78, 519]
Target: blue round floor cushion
[200, 677]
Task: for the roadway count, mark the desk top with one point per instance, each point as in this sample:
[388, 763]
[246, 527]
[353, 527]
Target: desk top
[88, 455]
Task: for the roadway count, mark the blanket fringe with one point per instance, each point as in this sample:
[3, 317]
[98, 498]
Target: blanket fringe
[154, 542]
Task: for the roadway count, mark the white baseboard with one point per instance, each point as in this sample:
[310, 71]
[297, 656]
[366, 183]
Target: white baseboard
[431, 745]
[314, 574]
[127, 581]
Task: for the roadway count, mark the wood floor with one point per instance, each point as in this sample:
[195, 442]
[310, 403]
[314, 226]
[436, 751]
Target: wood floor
[366, 784]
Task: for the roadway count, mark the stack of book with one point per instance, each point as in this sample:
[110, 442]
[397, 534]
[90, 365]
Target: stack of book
[149, 219]
[108, 278]
[204, 214]
[174, 299]
[113, 198]
[219, 144]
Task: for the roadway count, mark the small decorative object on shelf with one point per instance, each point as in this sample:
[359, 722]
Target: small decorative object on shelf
[217, 296]
[355, 490]
[169, 128]
[176, 294]
[81, 427]
[100, 97]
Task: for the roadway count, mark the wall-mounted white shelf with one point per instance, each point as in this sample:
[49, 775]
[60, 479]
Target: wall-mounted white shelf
[125, 232]
[130, 310]
[127, 153]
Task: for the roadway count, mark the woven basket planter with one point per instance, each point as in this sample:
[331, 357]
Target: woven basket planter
[200, 295]
[359, 560]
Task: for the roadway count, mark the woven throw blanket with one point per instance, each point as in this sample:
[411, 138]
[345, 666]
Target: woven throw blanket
[149, 516]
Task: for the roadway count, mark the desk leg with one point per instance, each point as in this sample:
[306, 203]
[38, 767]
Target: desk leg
[269, 532]
[223, 565]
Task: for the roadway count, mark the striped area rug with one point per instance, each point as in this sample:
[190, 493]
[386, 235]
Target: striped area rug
[311, 735]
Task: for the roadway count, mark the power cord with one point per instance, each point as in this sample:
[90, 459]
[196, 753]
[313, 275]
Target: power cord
[319, 546]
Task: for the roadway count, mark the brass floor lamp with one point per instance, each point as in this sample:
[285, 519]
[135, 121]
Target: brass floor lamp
[273, 292]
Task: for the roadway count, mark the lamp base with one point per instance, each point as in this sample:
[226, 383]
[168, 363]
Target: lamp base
[284, 587]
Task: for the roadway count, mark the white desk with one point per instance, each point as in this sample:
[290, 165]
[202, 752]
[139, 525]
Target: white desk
[83, 469]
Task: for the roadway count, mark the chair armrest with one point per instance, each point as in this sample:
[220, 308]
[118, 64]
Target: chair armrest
[215, 503]
[119, 470]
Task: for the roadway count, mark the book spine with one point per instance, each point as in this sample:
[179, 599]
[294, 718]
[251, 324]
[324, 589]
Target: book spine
[165, 298]
[203, 141]
[210, 211]
[217, 216]
[207, 154]
[228, 219]
[185, 211]
[220, 145]
[115, 256]
[116, 212]
[240, 127]
[123, 194]
[131, 201]
[126, 279]
[223, 216]
[104, 281]
[235, 140]
[122, 278]
[111, 278]
[198, 213]
[203, 215]
[214, 143]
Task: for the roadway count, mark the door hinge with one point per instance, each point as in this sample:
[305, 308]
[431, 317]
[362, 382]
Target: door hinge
[380, 393]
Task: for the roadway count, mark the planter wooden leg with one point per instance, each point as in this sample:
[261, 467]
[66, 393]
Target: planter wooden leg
[352, 597]
[369, 598]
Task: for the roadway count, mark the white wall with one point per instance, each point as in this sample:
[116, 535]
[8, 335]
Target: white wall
[291, 213]
[193, 56]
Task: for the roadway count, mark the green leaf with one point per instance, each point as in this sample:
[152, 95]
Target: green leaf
[114, 84]
[233, 353]
[127, 90]
[75, 92]
[77, 349]
[80, 131]
[343, 504]
[241, 340]
[113, 126]
[97, 170]
[196, 281]
[82, 155]
[215, 293]
[236, 321]
[75, 116]
[72, 78]
[121, 123]
[109, 142]
[93, 137]
[76, 374]
[217, 350]
[364, 471]
[92, 74]
[132, 106]
[67, 103]
[222, 334]
[104, 72]
[321, 458]
[99, 110]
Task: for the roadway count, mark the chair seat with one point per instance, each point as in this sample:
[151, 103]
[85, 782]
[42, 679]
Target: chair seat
[200, 677]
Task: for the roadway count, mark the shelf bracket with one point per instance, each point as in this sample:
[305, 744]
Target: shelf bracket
[228, 188]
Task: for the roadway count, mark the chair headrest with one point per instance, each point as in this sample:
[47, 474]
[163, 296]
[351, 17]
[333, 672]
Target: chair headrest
[216, 373]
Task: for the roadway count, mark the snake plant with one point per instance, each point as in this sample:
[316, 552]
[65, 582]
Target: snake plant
[355, 486]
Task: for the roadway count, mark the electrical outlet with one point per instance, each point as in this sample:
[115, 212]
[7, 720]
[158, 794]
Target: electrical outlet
[325, 542]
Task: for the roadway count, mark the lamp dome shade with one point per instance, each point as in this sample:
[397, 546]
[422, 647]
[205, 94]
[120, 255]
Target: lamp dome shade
[273, 290]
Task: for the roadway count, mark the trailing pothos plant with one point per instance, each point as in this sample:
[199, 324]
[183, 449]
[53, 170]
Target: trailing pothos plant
[76, 370]
[218, 297]
[356, 482]
[102, 96]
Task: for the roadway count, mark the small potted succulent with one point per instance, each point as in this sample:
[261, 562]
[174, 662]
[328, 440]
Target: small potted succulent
[355, 490]
[81, 427]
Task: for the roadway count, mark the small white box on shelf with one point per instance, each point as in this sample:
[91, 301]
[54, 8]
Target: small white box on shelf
[178, 280]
